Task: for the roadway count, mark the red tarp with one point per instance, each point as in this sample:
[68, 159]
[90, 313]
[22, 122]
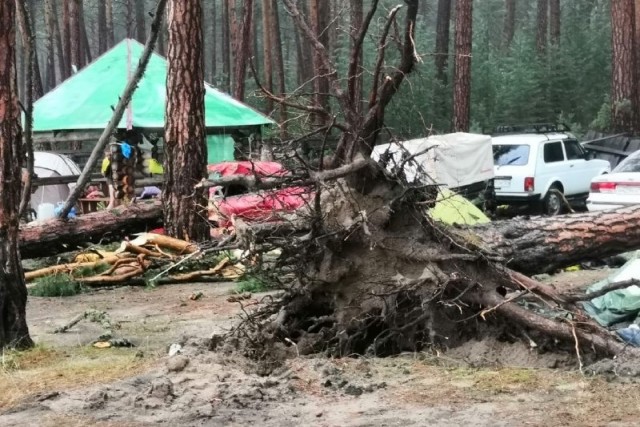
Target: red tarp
[263, 206]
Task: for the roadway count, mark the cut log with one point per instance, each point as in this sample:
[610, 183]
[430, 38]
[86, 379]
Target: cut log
[544, 244]
[56, 235]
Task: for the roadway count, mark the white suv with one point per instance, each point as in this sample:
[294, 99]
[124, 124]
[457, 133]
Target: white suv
[536, 169]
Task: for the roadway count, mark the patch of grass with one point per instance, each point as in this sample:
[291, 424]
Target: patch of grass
[91, 271]
[43, 369]
[254, 284]
[57, 285]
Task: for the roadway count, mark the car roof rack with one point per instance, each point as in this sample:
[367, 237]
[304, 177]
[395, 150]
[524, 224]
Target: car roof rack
[531, 128]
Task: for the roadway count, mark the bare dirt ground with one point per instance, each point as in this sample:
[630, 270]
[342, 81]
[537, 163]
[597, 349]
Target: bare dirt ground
[66, 382]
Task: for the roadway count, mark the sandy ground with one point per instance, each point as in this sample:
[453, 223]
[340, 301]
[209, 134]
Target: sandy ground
[65, 382]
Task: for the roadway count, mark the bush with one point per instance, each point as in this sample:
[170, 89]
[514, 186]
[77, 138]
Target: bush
[59, 285]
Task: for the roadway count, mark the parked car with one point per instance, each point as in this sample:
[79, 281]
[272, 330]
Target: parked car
[619, 188]
[542, 166]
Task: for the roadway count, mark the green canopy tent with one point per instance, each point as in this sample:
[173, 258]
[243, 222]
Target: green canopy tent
[84, 102]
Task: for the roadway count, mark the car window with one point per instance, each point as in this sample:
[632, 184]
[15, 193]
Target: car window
[630, 164]
[517, 155]
[553, 152]
[574, 150]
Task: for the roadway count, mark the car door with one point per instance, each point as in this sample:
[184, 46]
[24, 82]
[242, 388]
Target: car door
[552, 166]
[578, 171]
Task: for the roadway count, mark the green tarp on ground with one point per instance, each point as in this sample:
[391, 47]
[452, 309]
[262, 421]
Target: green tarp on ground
[85, 100]
[617, 306]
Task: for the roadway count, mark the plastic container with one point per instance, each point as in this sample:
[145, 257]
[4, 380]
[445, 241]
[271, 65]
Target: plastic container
[46, 211]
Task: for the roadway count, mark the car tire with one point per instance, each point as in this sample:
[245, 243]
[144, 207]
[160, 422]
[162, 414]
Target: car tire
[553, 203]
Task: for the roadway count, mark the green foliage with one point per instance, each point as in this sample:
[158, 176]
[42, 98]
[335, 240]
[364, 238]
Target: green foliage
[57, 285]
[254, 283]
[89, 271]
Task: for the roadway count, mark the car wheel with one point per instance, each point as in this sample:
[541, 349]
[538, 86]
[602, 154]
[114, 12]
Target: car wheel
[553, 203]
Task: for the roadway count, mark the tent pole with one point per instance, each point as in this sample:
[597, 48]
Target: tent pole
[96, 154]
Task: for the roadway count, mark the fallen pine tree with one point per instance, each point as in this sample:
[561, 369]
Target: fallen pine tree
[57, 235]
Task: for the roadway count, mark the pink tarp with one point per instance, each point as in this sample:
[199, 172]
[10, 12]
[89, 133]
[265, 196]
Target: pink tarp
[263, 206]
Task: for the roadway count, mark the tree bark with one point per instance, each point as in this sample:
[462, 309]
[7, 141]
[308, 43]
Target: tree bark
[319, 18]
[624, 96]
[75, 42]
[66, 36]
[214, 42]
[542, 27]
[62, 64]
[226, 44]
[267, 45]
[13, 291]
[84, 39]
[58, 235]
[102, 27]
[509, 23]
[28, 45]
[49, 42]
[543, 244]
[462, 71]
[278, 63]
[442, 39]
[109, 23]
[186, 153]
[554, 21]
[141, 33]
[243, 50]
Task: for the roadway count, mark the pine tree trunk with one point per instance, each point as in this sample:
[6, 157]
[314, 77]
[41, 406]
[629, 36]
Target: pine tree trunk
[442, 39]
[141, 33]
[186, 161]
[243, 51]
[62, 62]
[554, 21]
[356, 84]
[75, 34]
[214, 42]
[319, 17]
[462, 70]
[13, 291]
[278, 62]
[267, 49]
[102, 27]
[109, 23]
[226, 44]
[50, 45]
[25, 31]
[130, 20]
[509, 23]
[624, 83]
[542, 26]
[66, 35]
[84, 39]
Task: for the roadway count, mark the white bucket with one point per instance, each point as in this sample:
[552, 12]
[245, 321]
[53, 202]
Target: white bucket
[46, 211]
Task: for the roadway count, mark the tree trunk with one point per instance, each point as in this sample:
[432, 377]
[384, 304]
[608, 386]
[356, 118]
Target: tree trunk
[66, 34]
[141, 33]
[509, 23]
[86, 47]
[319, 17]
[56, 235]
[442, 39]
[542, 26]
[278, 63]
[226, 44]
[267, 45]
[186, 154]
[214, 42]
[62, 61]
[130, 20]
[13, 292]
[356, 83]
[50, 45]
[543, 244]
[462, 71]
[109, 23]
[26, 34]
[75, 33]
[624, 94]
[243, 50]
[554, 21]
[102, 27]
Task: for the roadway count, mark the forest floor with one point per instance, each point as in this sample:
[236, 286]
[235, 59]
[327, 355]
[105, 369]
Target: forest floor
[65, 381]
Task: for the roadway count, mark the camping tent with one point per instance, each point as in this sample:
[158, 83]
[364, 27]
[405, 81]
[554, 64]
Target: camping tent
[50, 165]
[85, 100]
